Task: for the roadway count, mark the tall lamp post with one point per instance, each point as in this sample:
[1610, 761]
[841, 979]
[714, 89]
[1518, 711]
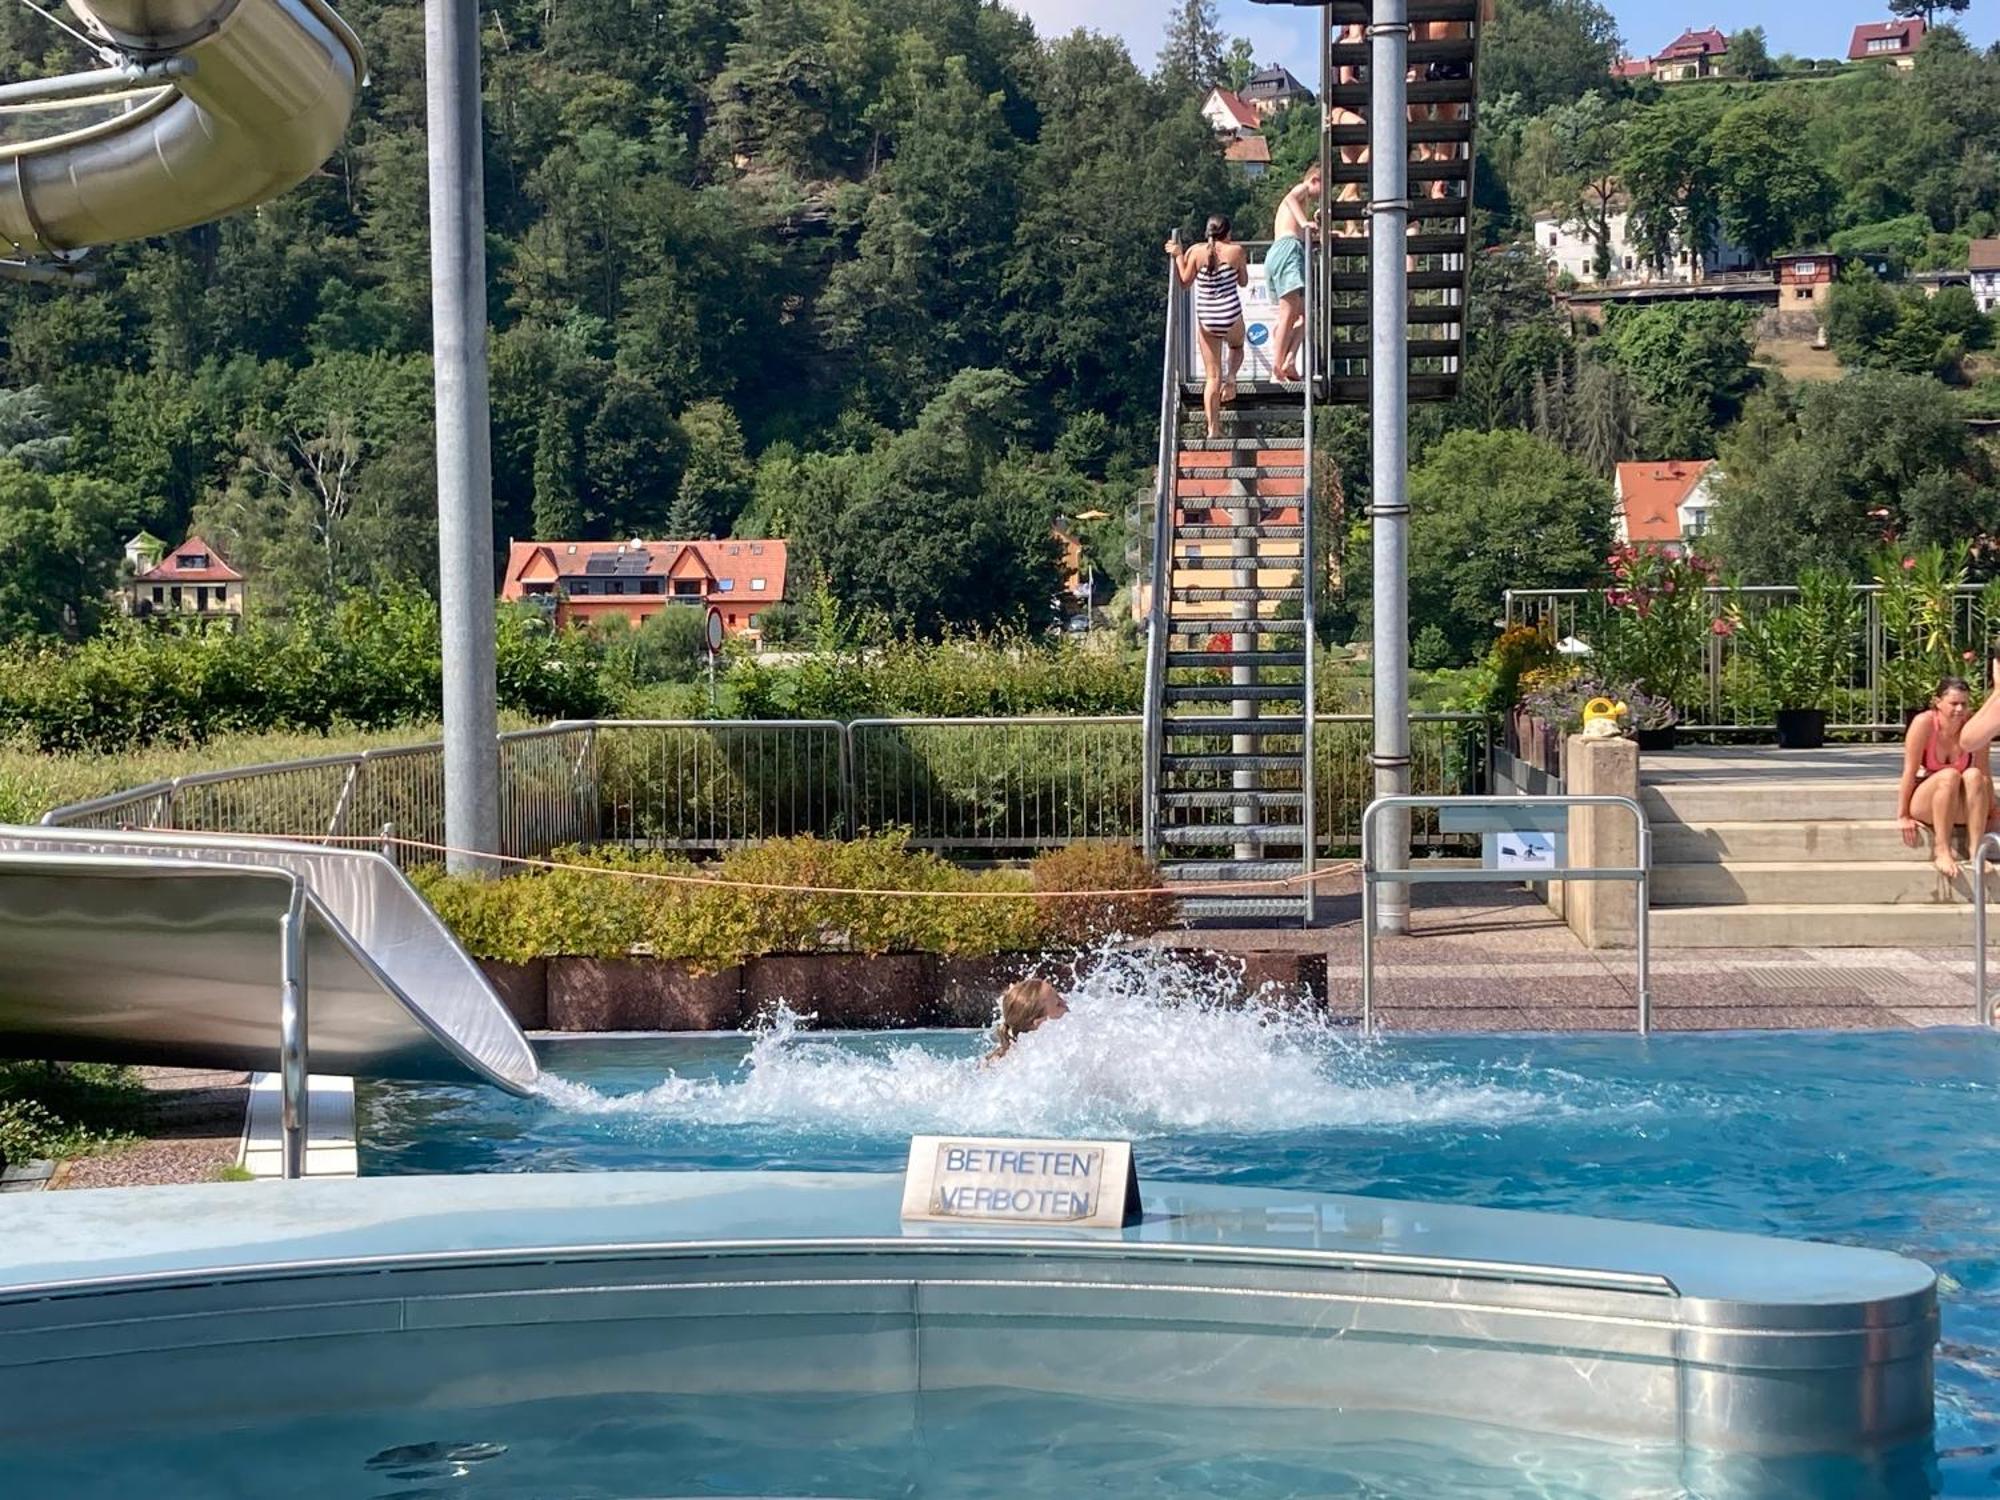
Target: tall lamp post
[464, 436]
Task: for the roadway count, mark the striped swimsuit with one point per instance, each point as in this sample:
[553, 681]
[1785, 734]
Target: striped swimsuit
[1216, 305]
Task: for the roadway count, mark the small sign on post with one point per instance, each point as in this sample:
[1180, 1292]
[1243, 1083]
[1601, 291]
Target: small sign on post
[973, 1179]
[712, 632]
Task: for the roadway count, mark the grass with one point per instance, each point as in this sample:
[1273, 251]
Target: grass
[51, 1111]
[1797, 360]
[234, 1171]
[31, 783]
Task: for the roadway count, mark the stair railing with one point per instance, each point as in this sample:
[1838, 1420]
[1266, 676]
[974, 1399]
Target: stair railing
[1308, 581]
[1165, 490]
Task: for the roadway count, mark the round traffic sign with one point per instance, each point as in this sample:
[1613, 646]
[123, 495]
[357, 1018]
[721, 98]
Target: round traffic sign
[714, 629]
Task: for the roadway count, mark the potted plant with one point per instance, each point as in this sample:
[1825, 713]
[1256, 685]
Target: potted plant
[1802, 652]
[1653, 721]
[1917, 598]
[1653, 632]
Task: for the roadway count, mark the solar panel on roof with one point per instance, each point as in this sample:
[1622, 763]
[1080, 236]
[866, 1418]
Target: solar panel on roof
[595, 565]
[632, 563]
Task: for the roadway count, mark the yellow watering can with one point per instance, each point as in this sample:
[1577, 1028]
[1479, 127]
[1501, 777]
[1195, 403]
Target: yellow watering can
[1600, 718]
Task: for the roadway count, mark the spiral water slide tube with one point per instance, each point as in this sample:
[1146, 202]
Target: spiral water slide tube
[237, 101]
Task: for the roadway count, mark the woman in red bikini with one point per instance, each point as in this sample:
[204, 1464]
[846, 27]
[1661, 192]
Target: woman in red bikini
[1942, 785]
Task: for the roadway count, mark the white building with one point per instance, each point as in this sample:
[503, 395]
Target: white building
[1666, 504]
[1984, 263]
[1575, 252]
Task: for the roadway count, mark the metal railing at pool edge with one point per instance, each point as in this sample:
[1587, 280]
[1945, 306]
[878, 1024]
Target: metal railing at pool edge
[1640, 875]
[1982, 1000]
[705, 785]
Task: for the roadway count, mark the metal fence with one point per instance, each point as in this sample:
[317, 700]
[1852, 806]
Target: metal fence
[973, 787]
[1733, 701]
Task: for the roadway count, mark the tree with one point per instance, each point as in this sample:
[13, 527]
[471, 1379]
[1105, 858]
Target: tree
[1669, 179]
[59, 537]
[1491, 511]
[1775, 195]
[1192, 57]
[1821, 478]
[1860, 313]
[1548, 52]
[1927, 9]
[1241, 64]
[1747, 56]
[717, 482]
[558, 512]
[1689, 364]
[1589, 139]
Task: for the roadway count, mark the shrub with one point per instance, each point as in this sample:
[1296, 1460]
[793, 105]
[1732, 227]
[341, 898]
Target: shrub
[53, 1110]
[711, 927]
[1078, 921]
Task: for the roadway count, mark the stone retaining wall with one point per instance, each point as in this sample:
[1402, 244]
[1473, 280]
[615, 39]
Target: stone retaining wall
[843, 991]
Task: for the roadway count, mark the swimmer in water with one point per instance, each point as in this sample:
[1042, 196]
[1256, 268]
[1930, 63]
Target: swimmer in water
[1026, 1004]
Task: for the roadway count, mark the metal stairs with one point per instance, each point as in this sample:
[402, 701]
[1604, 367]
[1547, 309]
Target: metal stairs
[1229, 785]
[1229, 796]
[1442, 86]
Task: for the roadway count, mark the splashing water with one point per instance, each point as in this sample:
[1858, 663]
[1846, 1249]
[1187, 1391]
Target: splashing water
[1151, 1046]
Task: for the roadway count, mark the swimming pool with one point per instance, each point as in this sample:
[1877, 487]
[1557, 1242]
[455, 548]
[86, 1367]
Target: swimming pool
[1890, 1141]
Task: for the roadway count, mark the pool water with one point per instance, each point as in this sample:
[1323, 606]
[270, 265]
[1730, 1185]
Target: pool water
[1887, 1140]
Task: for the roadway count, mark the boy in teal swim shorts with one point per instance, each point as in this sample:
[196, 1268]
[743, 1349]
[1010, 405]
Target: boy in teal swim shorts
[1285, 269]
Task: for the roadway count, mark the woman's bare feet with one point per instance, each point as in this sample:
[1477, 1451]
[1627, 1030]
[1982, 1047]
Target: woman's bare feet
[1944, 863]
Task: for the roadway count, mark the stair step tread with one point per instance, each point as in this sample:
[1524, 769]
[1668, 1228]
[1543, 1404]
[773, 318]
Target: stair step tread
[1231, 761]
[1238, 596]
[1244, 798]
[1242, 471]
[1222, 625]
[1199, 872]
[1233, 833]
[1277, 532]
[1239, 445]
[1228, 724]
[1237, 562]
[1236, 658]
[1242, 908]
[1225, 692]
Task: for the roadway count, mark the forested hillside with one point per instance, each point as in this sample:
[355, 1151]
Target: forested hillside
[884, 276]
[728, 238]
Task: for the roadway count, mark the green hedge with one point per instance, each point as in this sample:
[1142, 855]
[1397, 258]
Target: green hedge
[711, 927]
[370, 662]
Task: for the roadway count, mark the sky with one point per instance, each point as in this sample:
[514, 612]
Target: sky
[1285, 33]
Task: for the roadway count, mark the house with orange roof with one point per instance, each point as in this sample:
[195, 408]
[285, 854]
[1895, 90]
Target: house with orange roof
[1665, 504]
[582, 582]
[190, 582]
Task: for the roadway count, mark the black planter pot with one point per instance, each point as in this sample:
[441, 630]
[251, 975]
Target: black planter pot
[1658, 739]
[1801, 728]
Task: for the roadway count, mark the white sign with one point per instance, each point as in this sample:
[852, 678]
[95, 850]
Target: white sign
[1086, 1184]
[712, 627]
[1525, 851]
[1260, 329]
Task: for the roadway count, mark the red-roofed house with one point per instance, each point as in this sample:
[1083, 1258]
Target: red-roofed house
[632, 581]
[1250, 154]
[1664, 504]
[1887, 41]
[192, 580]
[1229, 113]
[1632, 68]
[1692, 54]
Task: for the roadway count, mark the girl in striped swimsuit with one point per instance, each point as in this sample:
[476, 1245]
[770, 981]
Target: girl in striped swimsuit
[1216, 268]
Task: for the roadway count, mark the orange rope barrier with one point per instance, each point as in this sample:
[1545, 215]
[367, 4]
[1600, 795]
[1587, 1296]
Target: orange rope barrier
[1211, 888]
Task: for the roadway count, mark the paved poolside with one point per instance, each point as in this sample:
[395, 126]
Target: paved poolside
[1501, 962]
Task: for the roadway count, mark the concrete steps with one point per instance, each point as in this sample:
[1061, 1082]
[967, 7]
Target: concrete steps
[1807, 883]
[1795, 926]
[1757, 848]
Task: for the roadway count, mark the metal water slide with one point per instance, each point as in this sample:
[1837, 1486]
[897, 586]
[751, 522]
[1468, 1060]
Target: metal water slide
[206, 951]
[219, 105]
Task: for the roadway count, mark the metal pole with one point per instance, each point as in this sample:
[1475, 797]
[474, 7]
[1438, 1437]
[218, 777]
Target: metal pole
[1369, 820]
[292, 1061]
[1982, 1002]
[464, 437]
[1388, 373]
[1642, 926]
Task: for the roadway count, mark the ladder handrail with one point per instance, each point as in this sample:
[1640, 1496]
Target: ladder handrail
[1308, 584]
[1165, 491]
